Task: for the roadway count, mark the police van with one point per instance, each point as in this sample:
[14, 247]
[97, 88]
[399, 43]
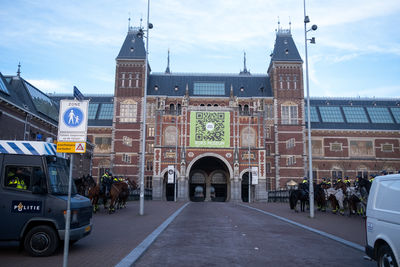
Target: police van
[33, 198]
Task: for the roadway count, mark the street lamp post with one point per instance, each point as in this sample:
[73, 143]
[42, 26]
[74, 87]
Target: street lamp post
[310, 169]
[248, 141]
[149, 26]
[176, 153]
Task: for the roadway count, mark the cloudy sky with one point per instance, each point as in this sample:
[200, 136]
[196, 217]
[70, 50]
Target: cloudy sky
[65, 43]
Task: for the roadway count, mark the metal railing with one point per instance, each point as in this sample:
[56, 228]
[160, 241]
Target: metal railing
[278, 196]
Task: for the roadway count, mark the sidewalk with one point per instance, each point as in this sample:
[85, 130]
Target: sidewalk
[349, 228]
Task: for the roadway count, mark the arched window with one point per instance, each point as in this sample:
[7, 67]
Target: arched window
[246, 110]
[171, 109]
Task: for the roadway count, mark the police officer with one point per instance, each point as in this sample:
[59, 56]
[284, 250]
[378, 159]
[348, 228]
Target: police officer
[105, 180]
[16, 180]
[347, 181]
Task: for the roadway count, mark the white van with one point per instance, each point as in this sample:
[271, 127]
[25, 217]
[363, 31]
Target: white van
[383, 220]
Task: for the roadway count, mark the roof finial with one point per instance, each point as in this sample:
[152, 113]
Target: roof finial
[290, 24]
[167, 70]
[129, 22]
[19, 69]
[279, 24]
[141, 19]
[244, 62]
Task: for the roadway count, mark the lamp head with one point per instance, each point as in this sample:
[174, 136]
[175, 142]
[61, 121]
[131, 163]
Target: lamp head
[150, 25]
[306, 19]
[314, 27]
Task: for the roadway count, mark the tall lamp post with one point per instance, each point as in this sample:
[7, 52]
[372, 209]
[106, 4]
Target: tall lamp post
[310, 169]
[149, 26]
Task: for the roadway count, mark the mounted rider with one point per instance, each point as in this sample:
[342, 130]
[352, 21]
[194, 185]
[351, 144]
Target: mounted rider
[304, 185]
[105, 182]
[347, 181]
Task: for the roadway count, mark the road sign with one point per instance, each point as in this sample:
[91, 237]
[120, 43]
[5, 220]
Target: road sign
[71, 147]
[72, 122]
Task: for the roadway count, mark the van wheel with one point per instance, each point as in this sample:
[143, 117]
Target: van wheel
[386, 257]
[41, 241]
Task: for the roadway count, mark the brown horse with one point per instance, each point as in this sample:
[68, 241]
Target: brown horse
[118, 190]
[95, 195]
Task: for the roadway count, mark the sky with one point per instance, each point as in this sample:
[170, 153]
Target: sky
[61, 44]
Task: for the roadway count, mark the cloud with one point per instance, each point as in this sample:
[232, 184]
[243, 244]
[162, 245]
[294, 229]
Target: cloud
[51, 86]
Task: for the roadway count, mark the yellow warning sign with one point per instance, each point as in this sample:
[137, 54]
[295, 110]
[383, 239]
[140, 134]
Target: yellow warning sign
[71, 147]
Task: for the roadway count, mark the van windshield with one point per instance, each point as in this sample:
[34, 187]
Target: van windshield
[59, 175]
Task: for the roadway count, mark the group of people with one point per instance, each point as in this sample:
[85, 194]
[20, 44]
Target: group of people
[107, 180]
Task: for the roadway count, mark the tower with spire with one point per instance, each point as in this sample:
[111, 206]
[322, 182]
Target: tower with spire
[167, 70]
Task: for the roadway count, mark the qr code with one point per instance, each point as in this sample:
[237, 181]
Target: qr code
[210, 126]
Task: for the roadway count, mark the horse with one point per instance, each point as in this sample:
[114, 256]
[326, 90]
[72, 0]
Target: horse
[319, 195]
[117, 189]
[298, 195]
[336, 196]
[123, 196]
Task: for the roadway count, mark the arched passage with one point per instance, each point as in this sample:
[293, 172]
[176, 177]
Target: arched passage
[209, 180]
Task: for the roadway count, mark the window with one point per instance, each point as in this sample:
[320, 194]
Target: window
[288, 82]
[396, 114]
[331, 114]
[291, 160]
[313, 114]
[387, 148]
[149, 165]
[106, 111]
[337, 174]
[268, 150]
[123, 80]
[150, 148]
[22, 177]
[289, 114]
[127, 141]
[102, 140]
[268, 132]
[281, 81]
[336, 146]
[128, 111]
[126, 158]
[379, 115]
[209, 88]
[290, 143]
[269, 109]
[92, 110]
[363, 174]
[150, 131]
[268, 167]
[295, 82]
[355, 114]
[149, 182]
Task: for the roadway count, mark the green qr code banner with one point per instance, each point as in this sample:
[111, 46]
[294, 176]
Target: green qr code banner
[209, 129]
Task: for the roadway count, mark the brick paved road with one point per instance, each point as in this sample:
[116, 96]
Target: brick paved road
[224, 234]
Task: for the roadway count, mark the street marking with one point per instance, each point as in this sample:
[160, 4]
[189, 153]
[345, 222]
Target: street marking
[333, 237]
[135, 254]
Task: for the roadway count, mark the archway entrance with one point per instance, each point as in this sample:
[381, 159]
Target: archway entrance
[208, 180]
[169, 189]
[245, 187]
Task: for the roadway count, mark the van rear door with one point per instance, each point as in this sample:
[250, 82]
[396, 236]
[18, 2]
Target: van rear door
[18, 205]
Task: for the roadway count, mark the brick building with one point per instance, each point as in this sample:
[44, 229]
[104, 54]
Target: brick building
[213, 129]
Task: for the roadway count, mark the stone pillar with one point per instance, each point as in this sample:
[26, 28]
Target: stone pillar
[183, 189]
[157, 188]
[208, 191]
[236, 192]
[261, 194]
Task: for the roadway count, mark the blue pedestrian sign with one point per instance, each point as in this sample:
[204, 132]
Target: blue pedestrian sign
[72, 123]
[73, 117]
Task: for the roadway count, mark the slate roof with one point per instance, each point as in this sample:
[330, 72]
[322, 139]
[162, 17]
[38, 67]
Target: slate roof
[365, 103]
[285, 49]
[133, 46]
[20, 96]
[253, 85]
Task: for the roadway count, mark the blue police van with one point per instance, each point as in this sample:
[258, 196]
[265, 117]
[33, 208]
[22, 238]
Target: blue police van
[33, 198]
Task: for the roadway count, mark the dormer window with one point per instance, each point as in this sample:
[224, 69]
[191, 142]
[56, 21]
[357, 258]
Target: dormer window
[156, 88]
[241, 89]
[176, 87]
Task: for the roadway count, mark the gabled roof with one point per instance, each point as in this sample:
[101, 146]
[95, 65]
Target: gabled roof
[133, 46]
[27, 97]
[285, 49]
[252, 85]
